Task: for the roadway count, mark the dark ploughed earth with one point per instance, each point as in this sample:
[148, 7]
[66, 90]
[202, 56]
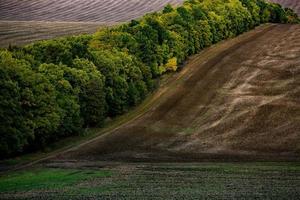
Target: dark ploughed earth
[238, 100]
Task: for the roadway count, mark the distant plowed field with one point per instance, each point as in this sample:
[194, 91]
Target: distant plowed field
[238, 99]
[79, 10]
[294, 4]
[24, 32]
[23, 21]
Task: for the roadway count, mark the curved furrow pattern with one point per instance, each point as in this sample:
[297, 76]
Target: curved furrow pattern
[89, 10]
[234, 100]
[79, 10]
[134, 12]
[36, 12]
[20, 32]
[100, 11]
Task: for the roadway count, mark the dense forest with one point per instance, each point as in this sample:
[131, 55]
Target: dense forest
[55, 88]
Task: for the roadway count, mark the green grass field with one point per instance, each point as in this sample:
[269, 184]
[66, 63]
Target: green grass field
[49, 179]
[156, 181]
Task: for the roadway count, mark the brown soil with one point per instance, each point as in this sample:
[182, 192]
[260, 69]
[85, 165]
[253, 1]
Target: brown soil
[25, 32]
[26, 21]
[105, 11]
[238, 100]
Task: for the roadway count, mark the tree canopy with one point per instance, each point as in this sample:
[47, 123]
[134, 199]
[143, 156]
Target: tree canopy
[52, 89]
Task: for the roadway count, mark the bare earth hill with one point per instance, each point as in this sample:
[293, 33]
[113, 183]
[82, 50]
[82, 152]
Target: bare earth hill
[25, 21]
[105, 11]
[100, 11]
[236, 100]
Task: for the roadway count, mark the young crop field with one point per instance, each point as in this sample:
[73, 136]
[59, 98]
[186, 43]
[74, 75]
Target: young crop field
[225, 126]
[89, 171]
[95, 180]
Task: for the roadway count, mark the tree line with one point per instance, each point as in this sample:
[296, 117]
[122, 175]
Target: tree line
[53, 89]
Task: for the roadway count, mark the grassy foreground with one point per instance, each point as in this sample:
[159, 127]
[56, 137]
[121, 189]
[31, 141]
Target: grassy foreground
[156, 181]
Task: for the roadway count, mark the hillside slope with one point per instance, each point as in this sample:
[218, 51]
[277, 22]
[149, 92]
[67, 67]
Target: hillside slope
[238, 99]
[25, 32]
[105, 11]
[23, 22]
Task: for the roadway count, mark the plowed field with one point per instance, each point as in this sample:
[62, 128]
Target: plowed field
[236, 100]
[26, 21]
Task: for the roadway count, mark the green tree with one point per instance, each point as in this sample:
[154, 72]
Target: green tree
[28, 108]
[66, 98]
[90, 84]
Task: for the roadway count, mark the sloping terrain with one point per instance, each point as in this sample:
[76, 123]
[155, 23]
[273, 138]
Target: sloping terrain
[107, 11]
[238, 99]
[25, 21]
[25, 32]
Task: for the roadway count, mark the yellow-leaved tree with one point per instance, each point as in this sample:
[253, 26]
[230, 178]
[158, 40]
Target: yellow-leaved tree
[171, 64]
